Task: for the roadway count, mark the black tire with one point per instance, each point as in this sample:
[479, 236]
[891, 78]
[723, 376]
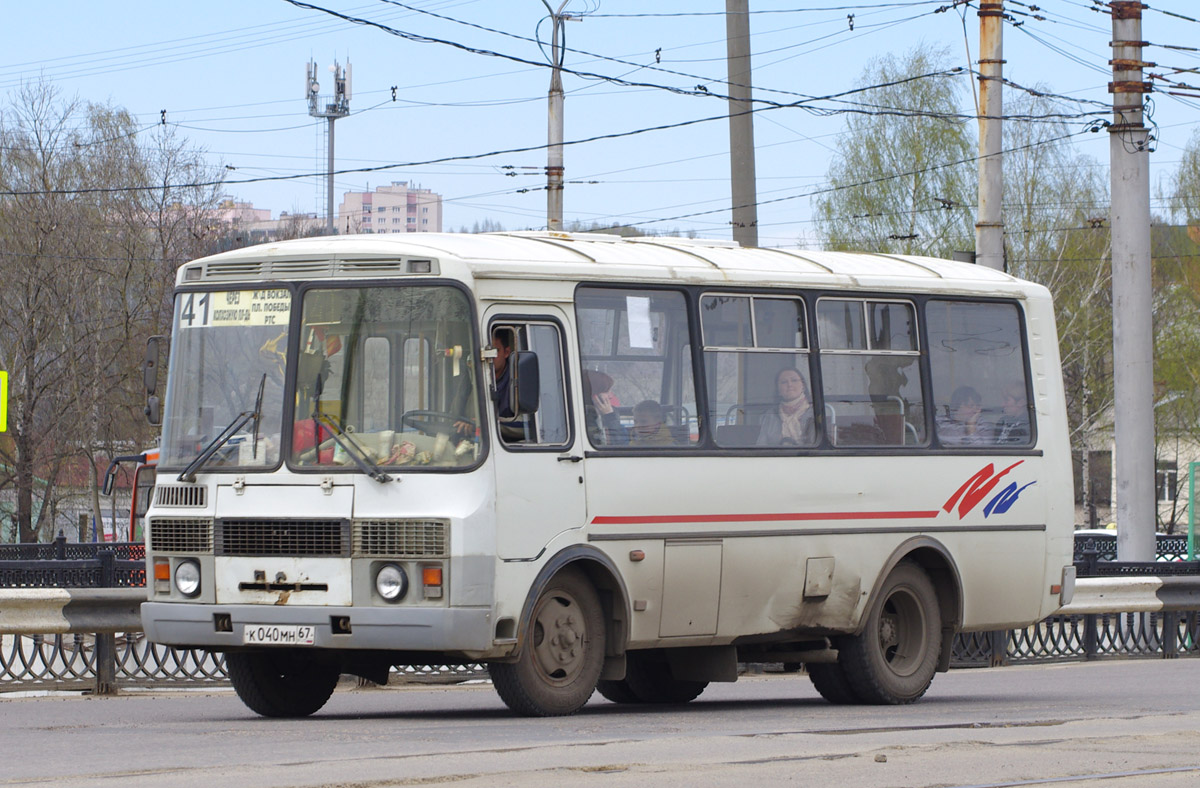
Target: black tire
[616, 691]
[830, 680]
[562, 653]
[894, 658]
[651, 681]
[282, 683]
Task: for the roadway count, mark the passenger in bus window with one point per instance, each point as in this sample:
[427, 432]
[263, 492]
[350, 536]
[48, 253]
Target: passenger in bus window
[603, 425]
[960, 425]
[1013, 425]
[791, 423]
[648, 426]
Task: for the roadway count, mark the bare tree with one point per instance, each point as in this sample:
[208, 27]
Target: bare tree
[91, 253]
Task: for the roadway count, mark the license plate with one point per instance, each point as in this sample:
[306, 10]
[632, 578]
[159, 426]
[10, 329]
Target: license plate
[275, 635]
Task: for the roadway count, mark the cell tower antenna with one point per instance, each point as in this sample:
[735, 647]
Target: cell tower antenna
[330, 108]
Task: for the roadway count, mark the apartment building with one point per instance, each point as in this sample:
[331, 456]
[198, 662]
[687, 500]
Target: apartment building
[398, 208]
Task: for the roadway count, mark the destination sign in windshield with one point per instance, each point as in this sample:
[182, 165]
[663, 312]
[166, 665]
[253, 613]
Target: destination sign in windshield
[234, 308]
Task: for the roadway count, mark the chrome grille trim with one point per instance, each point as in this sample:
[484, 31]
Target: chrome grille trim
[191, 495]
[180, 535]
[401, 539]
[253, 536]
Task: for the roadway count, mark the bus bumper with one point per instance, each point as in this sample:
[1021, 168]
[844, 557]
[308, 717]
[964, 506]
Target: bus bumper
[387, 629]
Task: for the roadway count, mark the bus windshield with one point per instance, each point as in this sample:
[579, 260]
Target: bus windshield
[385, 378]
[227, 344]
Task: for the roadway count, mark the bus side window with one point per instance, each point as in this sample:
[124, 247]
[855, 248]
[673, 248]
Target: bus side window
[757, 369]
[870, 372]
[978, 362]
[634, 347]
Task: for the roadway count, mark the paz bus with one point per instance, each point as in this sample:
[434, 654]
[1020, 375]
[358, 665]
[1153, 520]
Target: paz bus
[602, 464]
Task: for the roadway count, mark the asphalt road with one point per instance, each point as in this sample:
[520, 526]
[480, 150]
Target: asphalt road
[1116, 724]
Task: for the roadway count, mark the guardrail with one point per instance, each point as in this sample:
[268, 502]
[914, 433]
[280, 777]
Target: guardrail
[48, 640]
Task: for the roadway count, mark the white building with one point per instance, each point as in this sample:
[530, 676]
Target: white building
[391, 209]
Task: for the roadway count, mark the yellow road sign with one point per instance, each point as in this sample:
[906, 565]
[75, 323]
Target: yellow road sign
[3, 401]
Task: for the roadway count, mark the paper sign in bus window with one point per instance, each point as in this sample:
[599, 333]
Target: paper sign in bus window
[637, 311]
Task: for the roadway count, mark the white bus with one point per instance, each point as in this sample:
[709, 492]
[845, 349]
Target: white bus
[602, 463]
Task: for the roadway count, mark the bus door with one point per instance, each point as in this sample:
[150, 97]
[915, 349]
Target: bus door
[539, 474]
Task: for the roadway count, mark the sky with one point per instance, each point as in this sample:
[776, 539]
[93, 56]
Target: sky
[457, 79]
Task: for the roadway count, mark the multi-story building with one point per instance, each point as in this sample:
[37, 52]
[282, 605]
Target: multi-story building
[391, 209]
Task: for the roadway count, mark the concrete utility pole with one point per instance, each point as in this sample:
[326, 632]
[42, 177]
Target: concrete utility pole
[554, 151]
[1133, 349]
[741, 123]
[339, 107]
[989, 224]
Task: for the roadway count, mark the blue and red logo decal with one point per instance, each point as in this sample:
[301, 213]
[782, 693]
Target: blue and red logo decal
[980, 486]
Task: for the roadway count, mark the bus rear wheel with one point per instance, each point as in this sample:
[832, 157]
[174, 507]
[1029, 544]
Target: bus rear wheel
[562, 655]
[894, 658]
[282, 683]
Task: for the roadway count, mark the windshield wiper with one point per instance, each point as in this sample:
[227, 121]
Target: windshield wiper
[356, 452]
[188, 474]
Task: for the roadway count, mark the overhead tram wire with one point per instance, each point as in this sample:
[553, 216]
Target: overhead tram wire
[854, 7]
[228, 41]
[420, 38]
[869, 182]
[475, 156]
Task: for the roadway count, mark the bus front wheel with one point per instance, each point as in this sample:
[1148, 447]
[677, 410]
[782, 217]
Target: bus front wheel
[562, 655]
[281, 683]
[894, 658]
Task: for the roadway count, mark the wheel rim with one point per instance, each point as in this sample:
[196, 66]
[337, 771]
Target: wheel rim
[559, 639]
[902, 628]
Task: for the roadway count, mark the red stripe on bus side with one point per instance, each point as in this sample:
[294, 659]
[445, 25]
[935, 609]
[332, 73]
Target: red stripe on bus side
[758, 518]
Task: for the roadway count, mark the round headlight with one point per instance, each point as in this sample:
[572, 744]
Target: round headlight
[187, 578]
[391, 582]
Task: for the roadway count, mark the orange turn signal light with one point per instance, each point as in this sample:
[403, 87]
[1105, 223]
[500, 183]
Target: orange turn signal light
[431, 575]
[162, 569]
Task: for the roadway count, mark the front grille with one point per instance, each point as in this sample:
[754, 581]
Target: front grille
[261, 537]
[400, 539]
[181, 535]
[166, 495]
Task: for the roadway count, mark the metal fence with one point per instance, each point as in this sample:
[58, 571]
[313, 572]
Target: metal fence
[65, 662]
[68, 662]
[63, 564]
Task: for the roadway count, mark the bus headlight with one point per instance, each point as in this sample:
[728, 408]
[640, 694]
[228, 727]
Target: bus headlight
[391, 582]
[187, 578]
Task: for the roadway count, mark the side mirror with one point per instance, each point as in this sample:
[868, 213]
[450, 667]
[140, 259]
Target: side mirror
[110, 478]
[153, 411]
[150, 366]
[525, 386]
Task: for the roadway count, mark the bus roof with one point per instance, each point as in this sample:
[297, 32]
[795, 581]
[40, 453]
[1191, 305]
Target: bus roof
[591, 256]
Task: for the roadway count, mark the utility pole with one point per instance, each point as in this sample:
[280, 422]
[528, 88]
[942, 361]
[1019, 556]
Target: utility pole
[554, 150]
[989, 224]
[741, 123]
[1133, 348]
[338, 107]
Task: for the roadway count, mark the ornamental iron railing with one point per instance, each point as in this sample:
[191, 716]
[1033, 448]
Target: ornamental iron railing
[69, 662]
